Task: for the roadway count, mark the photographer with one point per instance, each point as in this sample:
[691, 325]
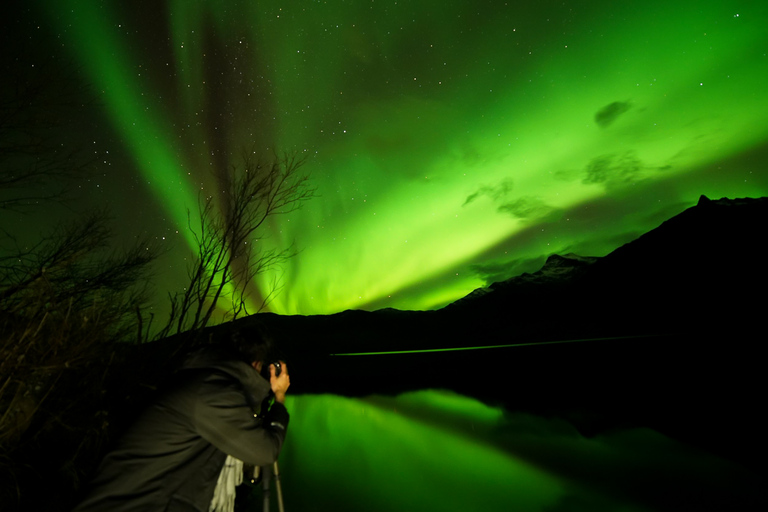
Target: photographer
[173, 457]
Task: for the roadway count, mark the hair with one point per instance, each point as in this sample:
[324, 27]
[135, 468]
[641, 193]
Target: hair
[252, 343]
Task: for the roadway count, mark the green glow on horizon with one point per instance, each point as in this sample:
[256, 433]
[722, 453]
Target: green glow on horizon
[442, 140]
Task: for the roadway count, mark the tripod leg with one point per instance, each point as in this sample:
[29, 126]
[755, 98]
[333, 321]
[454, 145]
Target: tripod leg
[279, 488]
[265, 478]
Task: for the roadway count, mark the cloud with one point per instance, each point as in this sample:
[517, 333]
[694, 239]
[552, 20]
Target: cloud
[609, 113]
[497, 271]
[567, 174]
[526, 208]
[496, 193]
[613, 169]
[522, 207]
[471, 197]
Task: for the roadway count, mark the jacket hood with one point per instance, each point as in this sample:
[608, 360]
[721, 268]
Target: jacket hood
[216, 358]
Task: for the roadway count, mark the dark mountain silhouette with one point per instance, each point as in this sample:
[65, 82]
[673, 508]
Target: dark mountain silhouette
[698, 271]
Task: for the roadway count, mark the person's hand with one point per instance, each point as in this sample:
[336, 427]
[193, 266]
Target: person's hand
[279, 383]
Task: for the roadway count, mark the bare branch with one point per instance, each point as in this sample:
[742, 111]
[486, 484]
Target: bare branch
[228, 248]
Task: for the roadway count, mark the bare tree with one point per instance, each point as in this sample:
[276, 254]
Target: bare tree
[229, 254]
[63, 304]
[65, 297]
[73, 265]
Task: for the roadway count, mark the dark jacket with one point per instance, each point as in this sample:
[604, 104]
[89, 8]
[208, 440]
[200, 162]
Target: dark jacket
[171, 458]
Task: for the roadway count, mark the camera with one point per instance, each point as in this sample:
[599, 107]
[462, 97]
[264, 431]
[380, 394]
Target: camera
[265, 369]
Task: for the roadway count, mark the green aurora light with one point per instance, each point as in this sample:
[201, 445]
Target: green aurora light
[452, 143]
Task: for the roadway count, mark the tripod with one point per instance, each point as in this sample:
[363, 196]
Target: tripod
[266, 476]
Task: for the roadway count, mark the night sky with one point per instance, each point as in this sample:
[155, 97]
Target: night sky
[452, 144]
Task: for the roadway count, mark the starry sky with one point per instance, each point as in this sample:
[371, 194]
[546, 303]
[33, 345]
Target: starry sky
[452, 143]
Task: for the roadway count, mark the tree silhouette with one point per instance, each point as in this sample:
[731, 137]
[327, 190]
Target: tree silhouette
[229, 254]
[66, 297]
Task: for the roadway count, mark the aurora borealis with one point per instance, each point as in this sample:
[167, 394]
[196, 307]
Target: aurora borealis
[451, 143]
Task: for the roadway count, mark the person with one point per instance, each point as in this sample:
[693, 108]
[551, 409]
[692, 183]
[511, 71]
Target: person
[173, 457]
